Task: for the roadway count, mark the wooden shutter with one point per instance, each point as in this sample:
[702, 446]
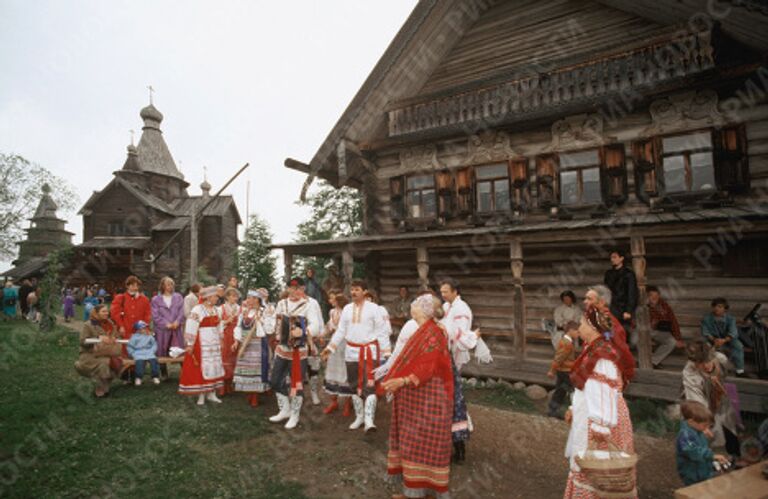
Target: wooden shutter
[547, 180]
[647, 158]
[464, 191]
[444, 191]
[397, 198]
[518, 178]
[731, 160]
[613, 174]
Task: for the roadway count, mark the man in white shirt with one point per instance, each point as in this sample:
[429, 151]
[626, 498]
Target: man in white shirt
[367, 337]
[313, 360]
[191, 300]
[461, 339]
[298, 321]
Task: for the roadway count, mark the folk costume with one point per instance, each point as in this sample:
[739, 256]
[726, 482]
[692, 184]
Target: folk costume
[202, 372]
[313, 358]
[367, 343]
[336, 369]
[253, 356]
[126, 310]
[231, 312]
[99, 369]
[297, 321]
[599, 376]
[419, 451]
[457, 321]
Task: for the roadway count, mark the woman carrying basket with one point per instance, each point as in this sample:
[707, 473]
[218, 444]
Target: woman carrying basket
[599, 417]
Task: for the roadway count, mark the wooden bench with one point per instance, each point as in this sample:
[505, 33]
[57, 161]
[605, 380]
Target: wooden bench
[746, 483]
[161, 360]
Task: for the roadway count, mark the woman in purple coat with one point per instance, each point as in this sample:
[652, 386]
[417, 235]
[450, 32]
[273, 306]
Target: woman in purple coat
[168, 319]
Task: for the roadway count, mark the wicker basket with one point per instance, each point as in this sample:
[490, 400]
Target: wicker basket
[612, 477]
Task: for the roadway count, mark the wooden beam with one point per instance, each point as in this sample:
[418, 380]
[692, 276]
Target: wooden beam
[644, 348]
[347, 267]
[518, 296]
[422, 267]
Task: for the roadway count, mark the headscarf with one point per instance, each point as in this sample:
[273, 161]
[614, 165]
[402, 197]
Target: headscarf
[425, 303]
[209, 291]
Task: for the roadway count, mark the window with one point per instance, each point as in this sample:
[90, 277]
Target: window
[492, 184]
[420, 197]
[116, 229]
[580, 178]
[687, 163]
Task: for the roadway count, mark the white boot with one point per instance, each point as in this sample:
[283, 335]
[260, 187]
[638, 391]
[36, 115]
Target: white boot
[285, 409]
[295, 407]
[212, 397]
[370, 412]
[201, 399]
[313, 382]
[357, 402]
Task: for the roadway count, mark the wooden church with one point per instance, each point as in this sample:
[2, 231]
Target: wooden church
[129, 221]
[512, 144]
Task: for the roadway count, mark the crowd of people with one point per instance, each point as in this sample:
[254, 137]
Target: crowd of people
[412, 355]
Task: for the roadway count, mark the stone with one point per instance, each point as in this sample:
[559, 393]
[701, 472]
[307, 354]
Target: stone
[481, 384]
[519, 386]
[490, 383]
[506, 384]
[472, 382]
[535, 392]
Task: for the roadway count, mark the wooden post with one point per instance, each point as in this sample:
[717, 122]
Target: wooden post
[422, 267]
[347, 268]
[642, 322]
[518, 296]
[193, 247]
[372, 272]
[287, 265]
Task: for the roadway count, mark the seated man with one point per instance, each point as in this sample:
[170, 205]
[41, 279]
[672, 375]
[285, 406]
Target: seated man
[665, 330]
[564, 313]
[719, 328]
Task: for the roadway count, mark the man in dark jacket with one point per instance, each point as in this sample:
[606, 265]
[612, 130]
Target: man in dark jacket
[623, 285]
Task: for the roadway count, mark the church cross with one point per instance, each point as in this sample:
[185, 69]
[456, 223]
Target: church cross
[131, 132]
[151, 91]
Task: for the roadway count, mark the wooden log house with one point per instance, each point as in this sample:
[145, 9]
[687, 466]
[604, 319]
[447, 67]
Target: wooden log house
[512, 144]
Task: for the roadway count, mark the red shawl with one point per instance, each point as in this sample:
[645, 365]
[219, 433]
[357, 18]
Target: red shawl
[425, 355]
[602, 349]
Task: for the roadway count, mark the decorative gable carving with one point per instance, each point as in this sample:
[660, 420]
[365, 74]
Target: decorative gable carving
[419, 158]
[579, 131]
[683, 112]
[489, 146]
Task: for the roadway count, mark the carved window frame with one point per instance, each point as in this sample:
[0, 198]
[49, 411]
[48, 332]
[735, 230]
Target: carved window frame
[492, 181]
[580, 169]
[688, 169]
[420, 190]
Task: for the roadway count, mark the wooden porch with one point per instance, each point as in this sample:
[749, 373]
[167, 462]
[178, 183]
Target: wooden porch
[512, 275]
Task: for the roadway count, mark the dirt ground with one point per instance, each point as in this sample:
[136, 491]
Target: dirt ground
[510, 455]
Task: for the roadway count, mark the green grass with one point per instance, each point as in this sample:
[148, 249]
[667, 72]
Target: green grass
[56, 440]
[501, 397]
[648, 416]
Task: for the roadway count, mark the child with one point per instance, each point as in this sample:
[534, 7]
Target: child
[694, 457]
[142, 347]
[561, 367]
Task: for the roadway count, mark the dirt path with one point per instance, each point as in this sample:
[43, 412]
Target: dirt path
[510, 455]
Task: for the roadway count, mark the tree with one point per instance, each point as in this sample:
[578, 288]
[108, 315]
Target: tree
[255, 265]
[334, 214]
[50, 289]
[20, 183]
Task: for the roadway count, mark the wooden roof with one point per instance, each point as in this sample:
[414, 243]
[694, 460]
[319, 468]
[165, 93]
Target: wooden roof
[441, 42]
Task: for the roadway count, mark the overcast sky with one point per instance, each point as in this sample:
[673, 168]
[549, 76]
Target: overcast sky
[237, 81]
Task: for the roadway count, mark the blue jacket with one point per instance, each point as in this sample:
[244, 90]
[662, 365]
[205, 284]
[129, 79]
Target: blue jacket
[142, 346]
[694, 457]
[709, 328]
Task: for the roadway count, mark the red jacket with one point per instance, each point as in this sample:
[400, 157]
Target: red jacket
[127, 309]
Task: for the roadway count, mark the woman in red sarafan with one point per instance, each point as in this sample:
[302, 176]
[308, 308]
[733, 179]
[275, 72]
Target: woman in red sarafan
[230, 314]
[421, 381]
[202, 372]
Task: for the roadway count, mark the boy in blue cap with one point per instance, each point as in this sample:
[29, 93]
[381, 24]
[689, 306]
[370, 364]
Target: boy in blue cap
[142, 347]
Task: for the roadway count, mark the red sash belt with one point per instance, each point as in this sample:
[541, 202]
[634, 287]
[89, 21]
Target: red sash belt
[365, 363]
[296, 374]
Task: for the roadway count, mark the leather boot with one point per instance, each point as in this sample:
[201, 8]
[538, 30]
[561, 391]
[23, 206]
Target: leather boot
[285, 409]
[253, 400]
[357, 401]
[295, 410]
[370, 413]
[347, 407]
[332, 406]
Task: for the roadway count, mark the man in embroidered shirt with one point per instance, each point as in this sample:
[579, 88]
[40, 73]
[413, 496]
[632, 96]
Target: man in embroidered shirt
[298, 322]
[457, 320]
[665, 330]
[367, 336]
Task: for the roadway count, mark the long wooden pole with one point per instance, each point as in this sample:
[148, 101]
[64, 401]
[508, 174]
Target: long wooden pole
[197, 214]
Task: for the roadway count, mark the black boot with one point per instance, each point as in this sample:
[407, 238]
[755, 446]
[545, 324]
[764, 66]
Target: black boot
[459, 450]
